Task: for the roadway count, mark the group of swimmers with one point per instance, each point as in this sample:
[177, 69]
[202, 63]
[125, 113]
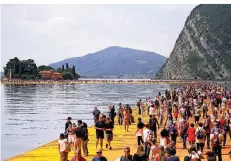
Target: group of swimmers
[208, 103]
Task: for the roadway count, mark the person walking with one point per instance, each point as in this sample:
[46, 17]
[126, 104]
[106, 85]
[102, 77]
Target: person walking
[225, 130]
[153, 125]
[197, 114]
[85, 139]
[205, 110]
[191, 135]
[207, 126]
[109, 134]
[112, 114]
[139, 131]
[216, 143]
[96, 114]
[67, 125]
[200, 137]
[126, 118]
[100, 127]
[184, 125]
[173, 131]
[80, 132]
[63, 147]
[147, 133]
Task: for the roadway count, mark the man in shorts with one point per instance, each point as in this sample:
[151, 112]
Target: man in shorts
[109, 134]
[100, 127]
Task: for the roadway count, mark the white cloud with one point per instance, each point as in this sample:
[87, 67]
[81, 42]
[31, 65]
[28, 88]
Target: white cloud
[50, 33]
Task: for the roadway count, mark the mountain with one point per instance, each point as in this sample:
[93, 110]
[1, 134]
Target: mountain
[116, 62]
[203, 48]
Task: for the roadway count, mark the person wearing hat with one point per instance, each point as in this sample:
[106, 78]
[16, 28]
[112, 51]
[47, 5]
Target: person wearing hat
[78, 156]
[99, 156]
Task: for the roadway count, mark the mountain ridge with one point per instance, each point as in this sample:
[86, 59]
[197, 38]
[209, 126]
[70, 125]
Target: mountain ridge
[115, 61]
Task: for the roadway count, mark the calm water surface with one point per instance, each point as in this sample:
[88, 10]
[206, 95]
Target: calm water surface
[32, 115]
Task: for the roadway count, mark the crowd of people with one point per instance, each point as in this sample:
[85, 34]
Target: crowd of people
[198, 114]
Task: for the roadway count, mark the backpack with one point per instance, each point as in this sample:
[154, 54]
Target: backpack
[200, 134]
[150, 136]
[215, 140]
[173, 130]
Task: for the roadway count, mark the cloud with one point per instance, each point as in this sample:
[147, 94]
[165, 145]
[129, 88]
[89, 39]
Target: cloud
[50, 33]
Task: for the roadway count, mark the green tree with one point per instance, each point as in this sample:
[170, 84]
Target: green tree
[24, 76]
[44, 67]
[12, 65]
[35, 70]
[32, 77]
[63, 68]
[67, 66]
[67, 75]
[73, 70]
[60, 70]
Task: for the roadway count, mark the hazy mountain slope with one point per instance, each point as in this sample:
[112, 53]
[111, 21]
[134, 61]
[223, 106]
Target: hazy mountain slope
[116, 61]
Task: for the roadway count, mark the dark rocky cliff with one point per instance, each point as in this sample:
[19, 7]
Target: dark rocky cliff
[203, 48]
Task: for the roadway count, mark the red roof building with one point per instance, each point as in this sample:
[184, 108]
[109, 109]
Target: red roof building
[51, 75]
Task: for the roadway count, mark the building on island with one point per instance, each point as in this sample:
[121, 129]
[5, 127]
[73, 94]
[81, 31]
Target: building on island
[51, 75]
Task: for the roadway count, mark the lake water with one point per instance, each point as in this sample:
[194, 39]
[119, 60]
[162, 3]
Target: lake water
[32, 115]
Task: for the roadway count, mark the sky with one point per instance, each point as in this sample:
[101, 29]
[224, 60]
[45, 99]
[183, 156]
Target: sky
[51, 33]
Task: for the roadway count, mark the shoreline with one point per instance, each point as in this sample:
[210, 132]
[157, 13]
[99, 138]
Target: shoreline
[100, 81]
